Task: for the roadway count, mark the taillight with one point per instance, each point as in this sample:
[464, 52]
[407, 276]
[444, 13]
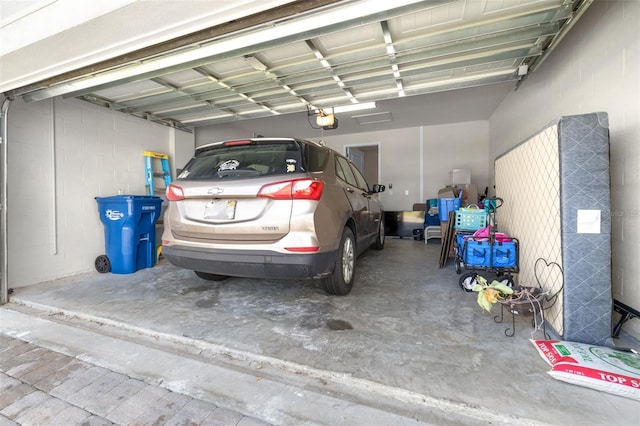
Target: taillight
[174, 193]
[236, 143]
[297, 189]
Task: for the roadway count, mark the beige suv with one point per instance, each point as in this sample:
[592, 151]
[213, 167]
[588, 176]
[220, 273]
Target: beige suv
[272, 208]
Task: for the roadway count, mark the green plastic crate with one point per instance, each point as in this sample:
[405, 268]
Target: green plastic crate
[470, 219]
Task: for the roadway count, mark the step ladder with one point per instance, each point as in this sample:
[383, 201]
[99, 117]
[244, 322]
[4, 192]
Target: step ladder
[151, 160]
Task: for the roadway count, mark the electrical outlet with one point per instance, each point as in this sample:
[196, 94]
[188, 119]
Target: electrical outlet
[406, 192]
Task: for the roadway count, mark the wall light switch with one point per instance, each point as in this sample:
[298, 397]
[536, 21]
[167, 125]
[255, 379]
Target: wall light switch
[406, 192]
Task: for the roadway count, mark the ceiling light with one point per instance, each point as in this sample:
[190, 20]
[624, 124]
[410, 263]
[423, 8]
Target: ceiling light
[354, 107]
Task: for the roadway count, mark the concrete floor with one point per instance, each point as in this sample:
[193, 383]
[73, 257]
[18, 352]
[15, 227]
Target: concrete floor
[406, 344]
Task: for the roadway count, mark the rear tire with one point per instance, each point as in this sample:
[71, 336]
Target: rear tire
[378, 244]
[340, 281]
[210, 277]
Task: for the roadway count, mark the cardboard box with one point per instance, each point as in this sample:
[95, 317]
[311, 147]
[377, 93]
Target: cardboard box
[469, 194]
[422, 207]
[447, 192]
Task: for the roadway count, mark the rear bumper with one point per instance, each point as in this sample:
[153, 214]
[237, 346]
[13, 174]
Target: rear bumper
[251, 264]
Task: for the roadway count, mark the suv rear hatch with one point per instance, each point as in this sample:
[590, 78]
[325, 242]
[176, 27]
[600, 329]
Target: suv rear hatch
[237, 192]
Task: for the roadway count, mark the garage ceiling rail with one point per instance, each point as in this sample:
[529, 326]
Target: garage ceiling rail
[321, 54]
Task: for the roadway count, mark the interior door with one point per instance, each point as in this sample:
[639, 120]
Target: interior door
[367, 160]
[356, 155]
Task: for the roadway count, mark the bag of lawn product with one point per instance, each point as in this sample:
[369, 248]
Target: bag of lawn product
[596, 367]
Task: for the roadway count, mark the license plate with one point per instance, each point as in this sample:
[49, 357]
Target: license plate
[220, 209]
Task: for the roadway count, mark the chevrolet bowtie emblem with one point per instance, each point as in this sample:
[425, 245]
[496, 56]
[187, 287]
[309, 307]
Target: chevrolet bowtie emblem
[215, 190]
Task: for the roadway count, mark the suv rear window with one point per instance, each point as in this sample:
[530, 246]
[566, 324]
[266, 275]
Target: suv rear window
[315, 157]
[245, 160]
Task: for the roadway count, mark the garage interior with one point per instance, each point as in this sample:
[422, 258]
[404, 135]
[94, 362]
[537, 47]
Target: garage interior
[456, 84]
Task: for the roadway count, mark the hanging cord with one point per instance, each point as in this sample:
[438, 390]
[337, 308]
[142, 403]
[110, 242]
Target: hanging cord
[537, 325]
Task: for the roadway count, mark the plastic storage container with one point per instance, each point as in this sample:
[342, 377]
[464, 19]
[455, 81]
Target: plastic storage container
[129, 232]
[445, 205]
[470, 219]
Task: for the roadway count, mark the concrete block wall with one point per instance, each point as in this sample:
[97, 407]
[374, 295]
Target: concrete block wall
[62, 154]
[596, 68]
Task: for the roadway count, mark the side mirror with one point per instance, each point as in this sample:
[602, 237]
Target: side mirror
[377, 188]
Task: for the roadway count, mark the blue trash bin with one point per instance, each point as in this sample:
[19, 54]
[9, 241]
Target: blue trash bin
[129, 232]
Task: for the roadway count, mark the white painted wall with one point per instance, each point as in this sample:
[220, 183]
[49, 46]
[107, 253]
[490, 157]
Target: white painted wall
[596, 68]
[182, 146]
[56, 168]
